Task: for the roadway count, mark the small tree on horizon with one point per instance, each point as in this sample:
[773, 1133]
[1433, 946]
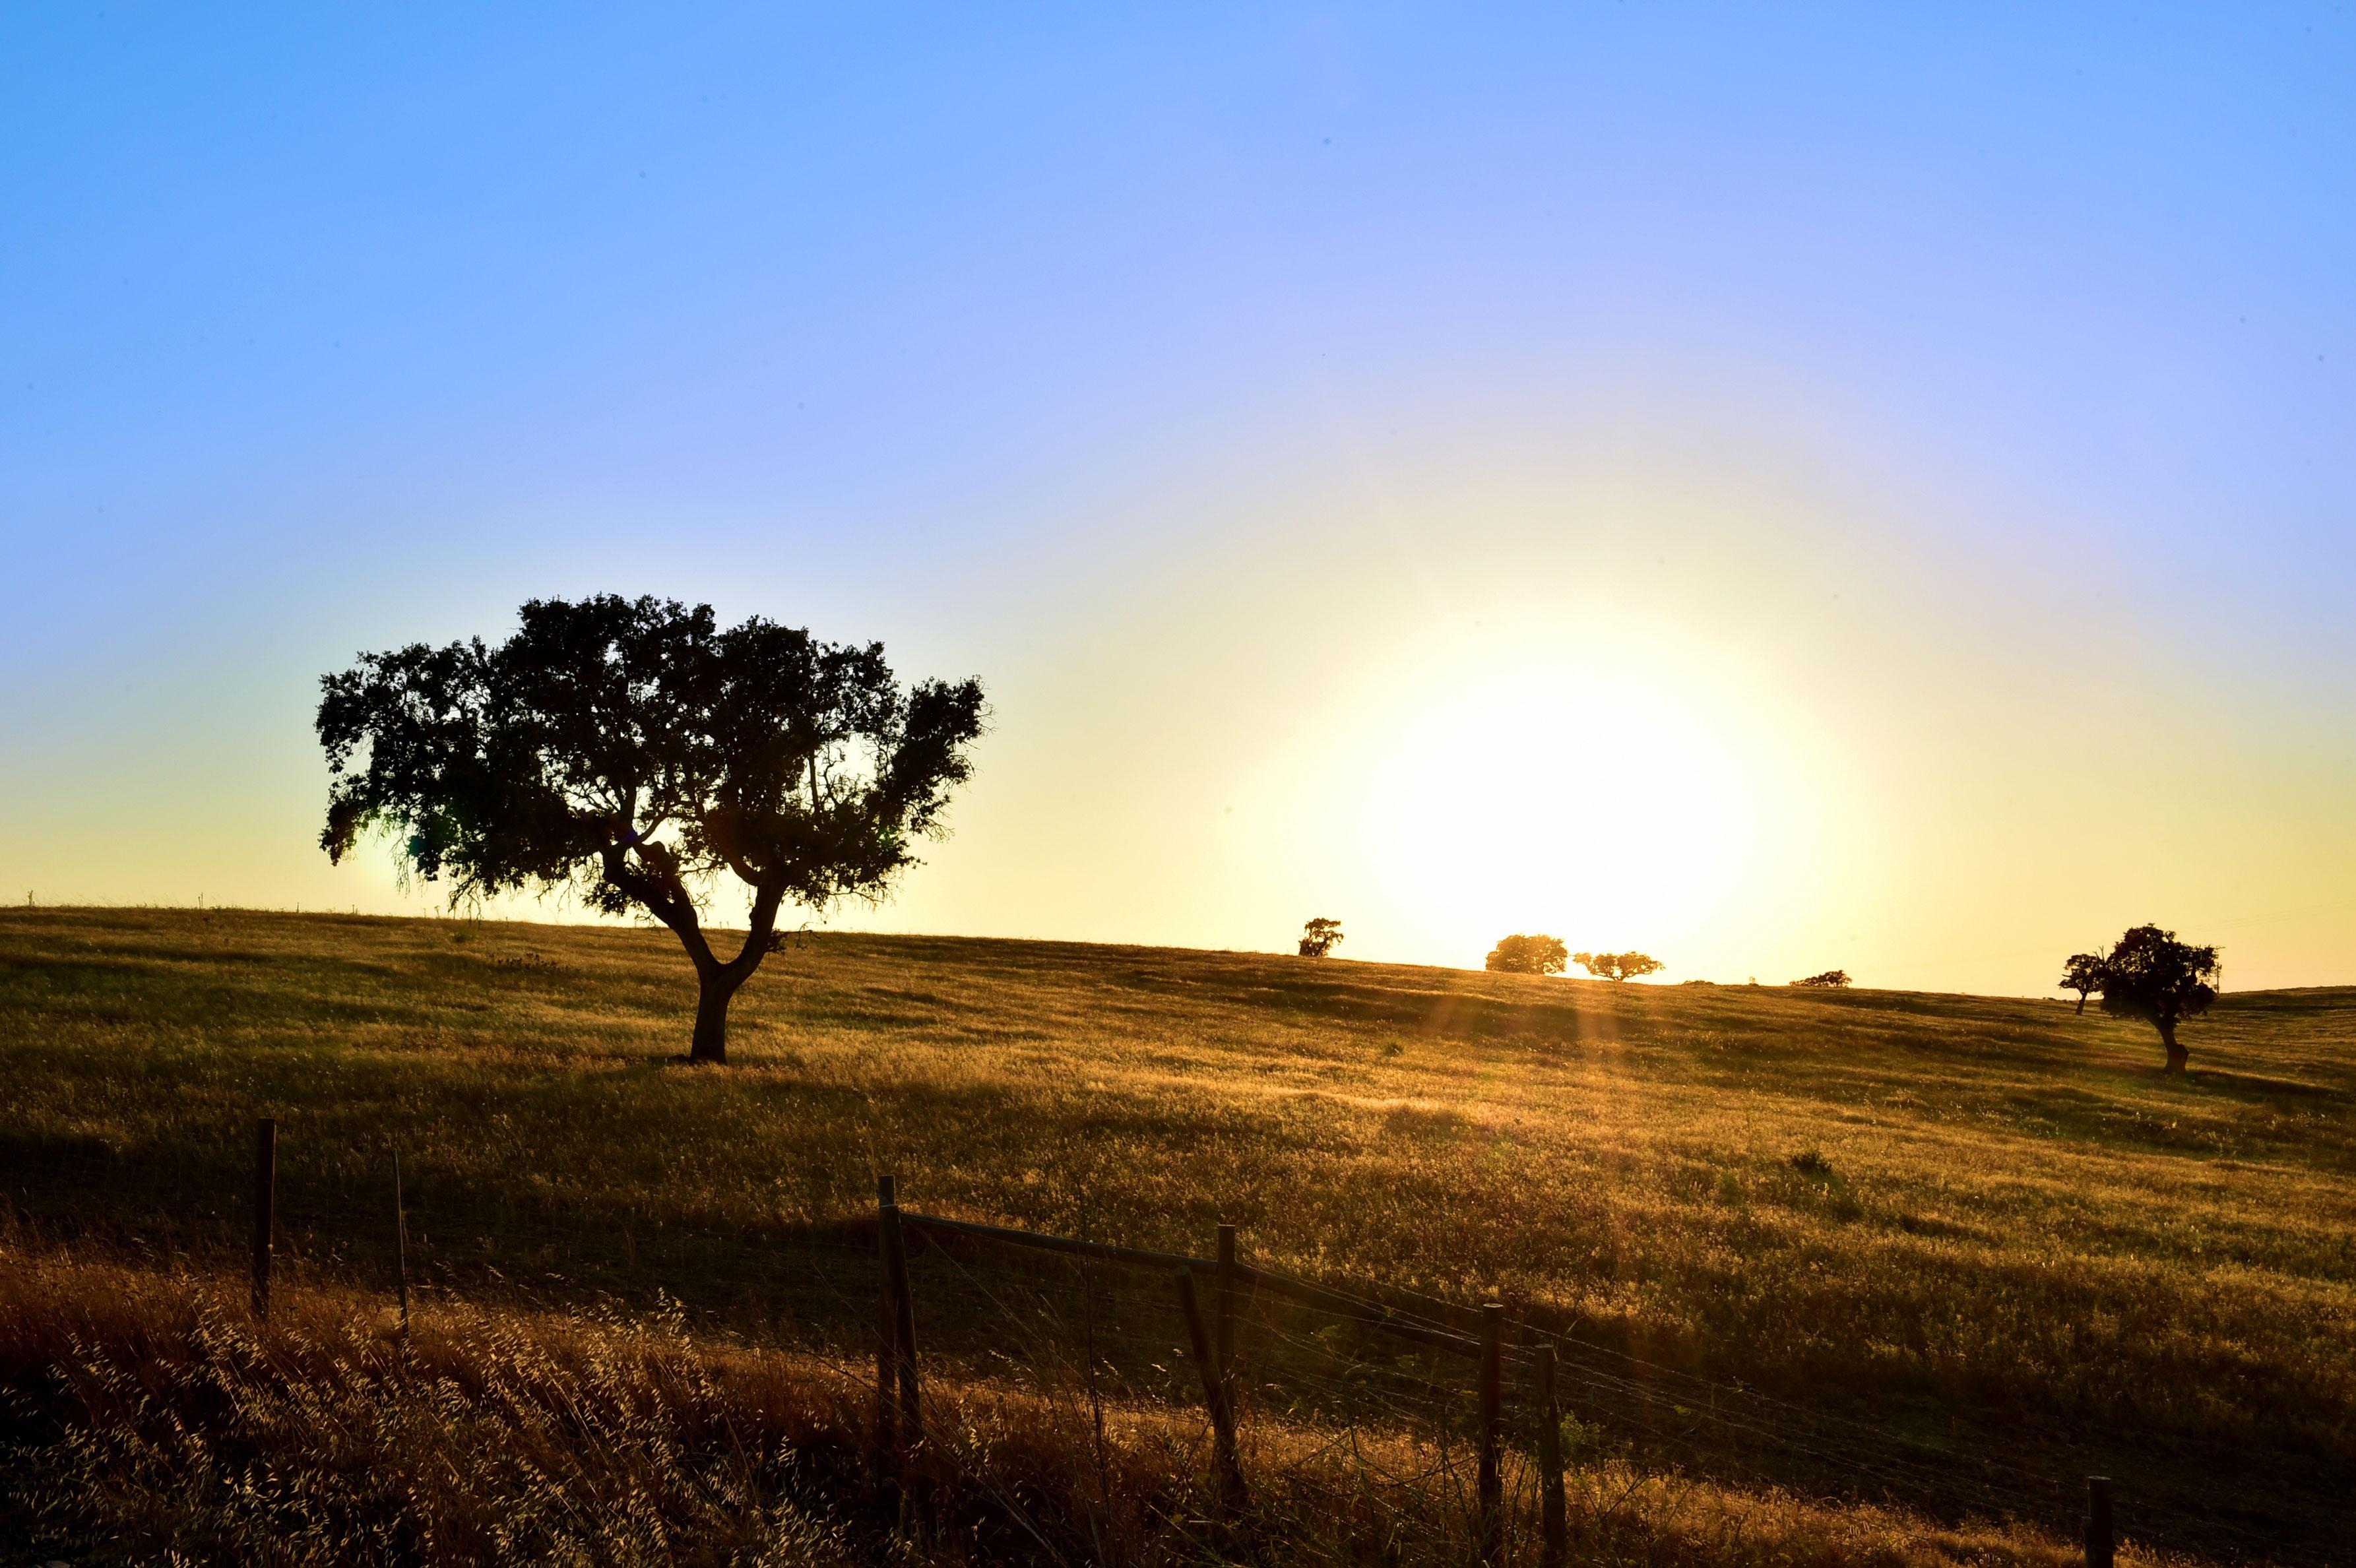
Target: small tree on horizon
[2082, 973]
[2153, 976]
[1319, 937]
[1627, 966]
[631, 751]
[1830, 979]
[1528, 954]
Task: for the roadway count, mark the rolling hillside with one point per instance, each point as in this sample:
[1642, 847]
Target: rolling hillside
[1986, 1224]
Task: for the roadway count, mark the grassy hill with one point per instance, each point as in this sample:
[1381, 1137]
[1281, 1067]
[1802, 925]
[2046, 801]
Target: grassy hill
[1986, 1226]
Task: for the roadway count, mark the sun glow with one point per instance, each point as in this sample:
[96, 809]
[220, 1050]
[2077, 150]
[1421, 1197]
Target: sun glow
[1613, 784]
[1568, 811]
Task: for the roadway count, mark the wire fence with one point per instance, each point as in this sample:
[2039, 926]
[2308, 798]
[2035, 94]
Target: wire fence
[1444, 1401]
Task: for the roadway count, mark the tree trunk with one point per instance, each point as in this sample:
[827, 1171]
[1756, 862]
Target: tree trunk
[2081, 1003]
[716, 989]
[2177, 1055]
[663, 895]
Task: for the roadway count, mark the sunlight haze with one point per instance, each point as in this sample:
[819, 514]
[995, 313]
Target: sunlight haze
[1777, 490]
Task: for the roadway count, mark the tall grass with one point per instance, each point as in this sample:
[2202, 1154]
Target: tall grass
[150, 1419]
[2013, 1236]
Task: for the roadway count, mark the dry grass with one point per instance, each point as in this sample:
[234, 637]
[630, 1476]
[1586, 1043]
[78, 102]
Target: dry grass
[150, 1419]
[2015, 1237]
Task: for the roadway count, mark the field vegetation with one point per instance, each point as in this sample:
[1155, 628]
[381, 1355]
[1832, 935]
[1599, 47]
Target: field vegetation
[1980, 1226]
[181, 1430]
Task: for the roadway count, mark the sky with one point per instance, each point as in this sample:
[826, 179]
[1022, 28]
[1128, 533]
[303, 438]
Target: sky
[1778, 487]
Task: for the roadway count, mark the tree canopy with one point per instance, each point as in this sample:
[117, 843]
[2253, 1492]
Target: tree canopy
[2153, 976]
[1319, 937]
[633, 751]
[1831, 979]
[2081, 973]
[1520, 955]
[1618, 965]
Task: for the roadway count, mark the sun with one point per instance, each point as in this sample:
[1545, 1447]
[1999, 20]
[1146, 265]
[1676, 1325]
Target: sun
[1612, 782]
[1589, 806]
[1598, 817]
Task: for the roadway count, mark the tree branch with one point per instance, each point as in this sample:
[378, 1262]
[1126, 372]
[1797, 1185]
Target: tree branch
[665, 898]
[760, 928]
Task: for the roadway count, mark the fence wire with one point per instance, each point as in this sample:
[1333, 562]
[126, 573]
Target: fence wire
[1082, 1335]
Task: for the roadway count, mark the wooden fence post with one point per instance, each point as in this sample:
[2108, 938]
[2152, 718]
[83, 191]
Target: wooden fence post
[887, 1335]
[1556, 1534]
[902, 1306]
[1215, 1395]
[1223, 1309]
[2100, 1549]
[401, 1244]
[1493, 1477]
[265, 1208]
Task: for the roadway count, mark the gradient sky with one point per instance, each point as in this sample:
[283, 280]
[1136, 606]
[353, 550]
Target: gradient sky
[1777, 486]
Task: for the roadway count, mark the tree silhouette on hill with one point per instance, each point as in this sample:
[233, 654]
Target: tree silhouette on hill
[2153, 976]
[2082, 973]
[1520, 955]
[1618, 965]
[1319, 937]
[632, 752]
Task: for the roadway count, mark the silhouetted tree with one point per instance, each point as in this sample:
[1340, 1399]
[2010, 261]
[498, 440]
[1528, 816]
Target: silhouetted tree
[1519, 955]
[2152, 976]
[1618, 965]
[1319, 937]
[2083, 973]
[1827, 980]
[633, 751]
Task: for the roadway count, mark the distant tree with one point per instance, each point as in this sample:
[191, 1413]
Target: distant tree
[1828, 979]
[2153, 976]
[1519, 955]
[1618, 965]
[632, 751]
[1319, 937]
[2083, 973]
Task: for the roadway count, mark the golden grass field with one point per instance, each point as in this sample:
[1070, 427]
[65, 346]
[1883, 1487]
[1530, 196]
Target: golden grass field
[2015, 1242]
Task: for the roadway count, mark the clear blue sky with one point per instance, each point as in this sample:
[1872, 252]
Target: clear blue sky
[1972, 393]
